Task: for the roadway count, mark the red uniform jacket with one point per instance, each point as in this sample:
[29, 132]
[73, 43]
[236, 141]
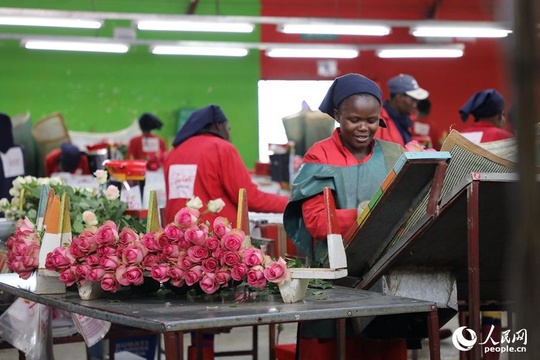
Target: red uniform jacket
[486, 132]
[136, 151]
[220, 173]
[53, 158]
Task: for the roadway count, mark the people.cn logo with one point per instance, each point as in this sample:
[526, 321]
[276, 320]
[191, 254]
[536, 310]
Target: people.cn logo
[460, 342]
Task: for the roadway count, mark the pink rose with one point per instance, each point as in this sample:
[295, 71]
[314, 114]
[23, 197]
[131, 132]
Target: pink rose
[134, 254]
[112, 192]
[59, 259]
[106, 251]
[233, 240]
[173, 232]
[255, 277]
[171, 251]
[176, 273]
[149, 261]
[96, 274]
[93, 260]
[149, 240]
[193, 275]
[197, 253]
[86, 242]
[160, 272]
[24, 225]
[212, 243]
[110, 262]
[195, 235]
[127, 236]
[128, 275]
[253, 256]
[238, 272]
[177, 282]
[68, 277]
[184, 262]
[186, 217]
[221, 226]
[107, 233]
[162, 240]
[277, 271]
[209, 265]
[230, 258]
[109, 283]
[184, 244]
[223, 276]
[208, 283]
[82, 271]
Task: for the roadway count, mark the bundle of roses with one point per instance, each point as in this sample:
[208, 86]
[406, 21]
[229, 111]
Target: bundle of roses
[23, 248]
[190, 252]
[185, 252]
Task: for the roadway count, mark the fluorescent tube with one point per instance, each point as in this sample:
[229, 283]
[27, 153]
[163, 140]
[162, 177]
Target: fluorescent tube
[335, 29]
[199, 50]
[312, 53]
[76, 46]
[201, 26]
[459, 32]
[51, 22]
[420, 53]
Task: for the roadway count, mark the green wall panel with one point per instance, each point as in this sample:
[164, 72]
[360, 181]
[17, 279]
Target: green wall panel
[106, 92]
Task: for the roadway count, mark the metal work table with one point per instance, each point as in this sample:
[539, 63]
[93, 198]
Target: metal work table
[173, 316]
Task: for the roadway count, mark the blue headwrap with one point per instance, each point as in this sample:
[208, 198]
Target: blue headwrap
[211, 114]
[70, 156]
[6, 133]
[482, 104]
[149, 122]
[345, 86]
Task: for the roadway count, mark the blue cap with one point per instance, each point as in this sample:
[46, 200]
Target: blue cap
[198, 120]
[406, 84]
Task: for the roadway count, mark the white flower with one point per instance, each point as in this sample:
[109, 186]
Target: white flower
[15, 202]
[4, 203]
[215, 206]
[89, 218]
[195, 203]
[8, 214]
[55, 181]
[28, 179]
[112, 193]
[18, 183]
[43, 181]
[14, 192]
[101, 176]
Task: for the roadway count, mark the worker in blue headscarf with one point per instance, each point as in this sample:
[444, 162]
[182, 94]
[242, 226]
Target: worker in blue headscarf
[11, 157]
[204, 163]
[353, 164]
[148, 146]
[487, 108]
[68, 158]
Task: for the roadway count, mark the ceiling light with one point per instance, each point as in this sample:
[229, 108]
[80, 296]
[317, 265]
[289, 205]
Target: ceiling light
[201, 26]
[51, 22]
[108, 47]
[421, 52]
[459, 32]
[198, 50]
[312, 53]
[334, 29]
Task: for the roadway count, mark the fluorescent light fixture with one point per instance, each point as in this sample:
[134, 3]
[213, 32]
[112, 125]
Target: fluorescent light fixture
[76, 46]
[199, 50]
[334, 29]
[51, 22]
[201, 26]
[423, 52]
[459, 32]
[312, 53]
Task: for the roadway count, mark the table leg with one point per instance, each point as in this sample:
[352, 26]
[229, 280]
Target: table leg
[340, 339]
[473, 251]
[174, 345]
[433, 333]
[272, 341]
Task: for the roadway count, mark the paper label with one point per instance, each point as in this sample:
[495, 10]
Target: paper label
[182, 181]
[13, 162]
[150, 145]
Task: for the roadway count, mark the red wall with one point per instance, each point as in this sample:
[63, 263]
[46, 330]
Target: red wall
[450, 81]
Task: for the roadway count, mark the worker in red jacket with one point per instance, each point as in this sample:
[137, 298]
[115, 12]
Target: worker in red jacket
[148, 146]
[396, 111]
[487, 108]
[204, 163]
[67, 159]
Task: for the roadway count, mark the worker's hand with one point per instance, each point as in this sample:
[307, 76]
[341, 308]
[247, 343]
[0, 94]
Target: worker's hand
[361, 207]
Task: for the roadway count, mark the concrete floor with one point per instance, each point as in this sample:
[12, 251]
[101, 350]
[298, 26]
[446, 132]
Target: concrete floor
[240, 338]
